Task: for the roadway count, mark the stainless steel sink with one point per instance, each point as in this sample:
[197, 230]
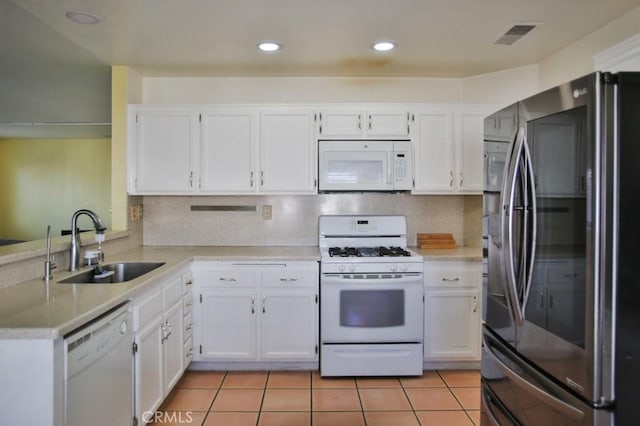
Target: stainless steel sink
[112, 273]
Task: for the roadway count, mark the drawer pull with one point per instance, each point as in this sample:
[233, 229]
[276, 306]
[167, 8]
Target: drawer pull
[227, 279]
[284, 280]
[451, 280]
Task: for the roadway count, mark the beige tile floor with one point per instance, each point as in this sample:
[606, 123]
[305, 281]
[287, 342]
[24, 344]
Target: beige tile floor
[437, 398]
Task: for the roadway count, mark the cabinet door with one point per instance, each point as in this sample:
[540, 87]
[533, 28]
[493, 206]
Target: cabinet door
[149, 389]
[288, 325]
[452, 324]
[341, 124]
[434, 152]
[228, 151]
[173, 346]
[469, 152]
[166, 141]
[228, 328]
[287, 152]
[389, 124]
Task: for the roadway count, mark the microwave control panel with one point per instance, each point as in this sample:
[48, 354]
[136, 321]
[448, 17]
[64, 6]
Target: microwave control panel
[402, 165]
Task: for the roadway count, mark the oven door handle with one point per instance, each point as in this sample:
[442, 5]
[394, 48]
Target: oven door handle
[339, 279]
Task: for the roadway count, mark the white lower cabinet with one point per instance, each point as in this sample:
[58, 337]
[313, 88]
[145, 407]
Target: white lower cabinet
[452, 319]
[158, 345]
[256, 311]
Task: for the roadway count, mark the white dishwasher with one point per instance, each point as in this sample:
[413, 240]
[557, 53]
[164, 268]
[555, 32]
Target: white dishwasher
[98, 384]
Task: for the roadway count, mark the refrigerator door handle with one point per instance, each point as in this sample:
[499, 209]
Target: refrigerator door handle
[563, 407]
[532, 219]
[507, 223]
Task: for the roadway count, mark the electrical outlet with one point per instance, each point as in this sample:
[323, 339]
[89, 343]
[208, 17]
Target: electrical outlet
[135, 212]
[266, 212]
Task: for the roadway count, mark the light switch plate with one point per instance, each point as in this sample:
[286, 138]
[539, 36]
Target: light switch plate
[267, 212]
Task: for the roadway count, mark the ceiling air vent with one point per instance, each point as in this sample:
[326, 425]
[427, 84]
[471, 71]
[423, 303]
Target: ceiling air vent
[514, 34]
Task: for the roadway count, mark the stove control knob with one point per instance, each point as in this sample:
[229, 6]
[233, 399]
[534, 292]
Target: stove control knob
[352, 268]
[342, 268]
[404, 267]
[394, 268]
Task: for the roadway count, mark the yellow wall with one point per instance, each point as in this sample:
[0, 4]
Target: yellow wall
[43, 181]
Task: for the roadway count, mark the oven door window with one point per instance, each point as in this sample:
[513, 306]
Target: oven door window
[372, 308]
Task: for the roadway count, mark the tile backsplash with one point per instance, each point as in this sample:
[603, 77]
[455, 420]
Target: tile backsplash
[170, 220]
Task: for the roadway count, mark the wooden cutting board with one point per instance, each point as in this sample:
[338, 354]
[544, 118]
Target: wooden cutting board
[436, 241]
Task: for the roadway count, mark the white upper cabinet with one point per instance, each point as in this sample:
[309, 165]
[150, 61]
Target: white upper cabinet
[355, 123]
[470, 149]
[229, 143]
[449, 149]
[222, 150]
[434, 150]
[166, 142]
[288, 151]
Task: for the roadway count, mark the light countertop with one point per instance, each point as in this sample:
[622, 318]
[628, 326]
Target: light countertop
[26, 312]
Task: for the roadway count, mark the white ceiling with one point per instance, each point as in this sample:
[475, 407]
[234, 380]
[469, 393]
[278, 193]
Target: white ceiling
[443, 38]
[54, 70]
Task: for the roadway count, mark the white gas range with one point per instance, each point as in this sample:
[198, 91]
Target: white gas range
[371, 297]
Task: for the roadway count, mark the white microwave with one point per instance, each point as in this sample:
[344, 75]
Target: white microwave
[364, 165]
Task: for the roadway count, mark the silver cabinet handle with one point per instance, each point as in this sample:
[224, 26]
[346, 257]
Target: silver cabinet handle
[264, 303]
[231, 279]
[261, 178]
[251, 179]
[475, 304]
[189, 327]
[461, 178]
[369, 122]
[451, 280]
[191, 180]
[253, 305]
[359, 122]
[284, 280]
[450, 177]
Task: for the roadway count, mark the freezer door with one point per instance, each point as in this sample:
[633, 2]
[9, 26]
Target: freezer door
[513, 389]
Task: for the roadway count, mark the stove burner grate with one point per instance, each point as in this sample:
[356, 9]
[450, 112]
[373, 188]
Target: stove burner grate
[368, 252]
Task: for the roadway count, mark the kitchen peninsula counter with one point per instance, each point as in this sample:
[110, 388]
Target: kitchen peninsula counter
[27, 313]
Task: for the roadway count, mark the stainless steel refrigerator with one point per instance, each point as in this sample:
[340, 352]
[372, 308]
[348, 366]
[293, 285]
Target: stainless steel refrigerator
[561, 332]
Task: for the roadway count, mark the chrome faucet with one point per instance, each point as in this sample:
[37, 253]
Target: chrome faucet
[49, 264]
[74, 256]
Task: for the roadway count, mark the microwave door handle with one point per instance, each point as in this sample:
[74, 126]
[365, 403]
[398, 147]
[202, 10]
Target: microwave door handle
[390, 168]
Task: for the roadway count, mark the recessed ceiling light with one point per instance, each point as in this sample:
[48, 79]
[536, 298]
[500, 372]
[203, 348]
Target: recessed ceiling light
[383, 46]
[269, 46]
[83, 17]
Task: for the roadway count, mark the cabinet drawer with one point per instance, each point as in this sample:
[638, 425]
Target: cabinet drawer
[188, 326]
[187, 302]
[187, 282]
[147, 309]
[287, 278]
[172, 292]
[565, 272]
[452, 274]
[228, 278]
[188, 352]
